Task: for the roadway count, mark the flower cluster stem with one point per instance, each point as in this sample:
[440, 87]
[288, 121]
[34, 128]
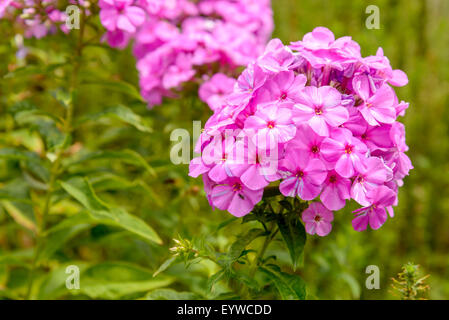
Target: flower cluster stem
[56, 165]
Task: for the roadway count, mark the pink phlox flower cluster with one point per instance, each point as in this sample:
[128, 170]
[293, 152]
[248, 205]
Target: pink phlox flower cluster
[38, 18]
[315, 116]
[180, 41]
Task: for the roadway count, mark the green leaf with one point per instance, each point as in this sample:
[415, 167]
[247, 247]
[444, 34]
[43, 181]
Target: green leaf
[14, 154]
[294, 236]
[214, 279]
[21, 257]
[32, 70]
[170, 294]
[24, 111]
[62, 96]
[117, 86]
[108, 181]
[290, 287]
[114, 280]
[56, 240]
[4, 195]
[21, 211]
[82, 191]
[54, 284]
[165, 265]
[352, 283]
[82, 217]
[31, 160]
[236, 249]
[54, 138]
[24, 71]
[121, 113]
[126, 156]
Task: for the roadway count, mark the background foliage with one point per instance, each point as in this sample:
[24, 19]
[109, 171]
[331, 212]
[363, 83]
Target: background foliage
[132, 198]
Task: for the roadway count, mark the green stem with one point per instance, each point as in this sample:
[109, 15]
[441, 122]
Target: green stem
[268, 238]
[262, 250]
[55, 167]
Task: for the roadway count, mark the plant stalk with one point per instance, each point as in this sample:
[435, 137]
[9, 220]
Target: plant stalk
[55, 167]
[269, 237]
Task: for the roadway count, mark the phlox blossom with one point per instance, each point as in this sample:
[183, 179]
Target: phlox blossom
[320, 107]
[318, 219]
[184, 43]
[232, 195]
[303, 176]
[214, 91]
[317, 121]
[121, 15]
[375, 215]
[272, 125]
[345, 151]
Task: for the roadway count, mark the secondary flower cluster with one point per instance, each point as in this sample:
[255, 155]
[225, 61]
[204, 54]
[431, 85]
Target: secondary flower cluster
[37, 18]
[320, 118]
[177, 41]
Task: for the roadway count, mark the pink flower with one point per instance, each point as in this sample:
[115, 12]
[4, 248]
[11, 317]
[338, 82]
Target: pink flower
[249, 81]
[402, 162]
[276, 57]
[372, 176]
[320, 49]
[121, 15]
[153, 34]
[208, 186]
[216, 155]
[320, 108]
[347, 152]
[395, 156]
[377, 69]
[334, 136]
[320, 38]
[375, 214]
[335, 191]
[215, 90]
[181, 39]
[303, 176]
[271, 125]
[232, 195]
[307, 140]
[117, 38]
[318, 219]
[284, 88]
[400, 108]
[377, 137]
[356, 124]
[181, 70]
[379, 107]
[3, 6]
[255, 167]
[197, 167]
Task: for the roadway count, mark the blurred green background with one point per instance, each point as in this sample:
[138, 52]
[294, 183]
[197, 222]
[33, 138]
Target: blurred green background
[414, 36]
